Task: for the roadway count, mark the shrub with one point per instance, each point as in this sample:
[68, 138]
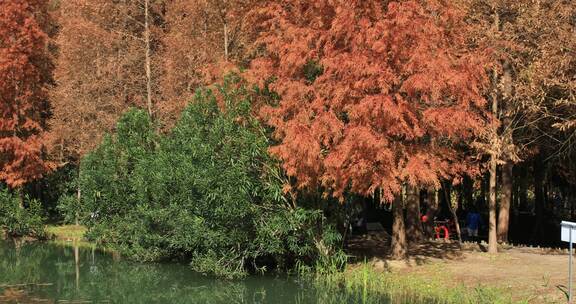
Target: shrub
[208, 192]
[21, 216]
[53, 187]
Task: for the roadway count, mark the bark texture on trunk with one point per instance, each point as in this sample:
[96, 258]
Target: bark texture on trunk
[78, 201]
[148, 60]
[492, 236]
[413, 223]
[448, 197]
[399, 247]
[493, 166]
[505, 202]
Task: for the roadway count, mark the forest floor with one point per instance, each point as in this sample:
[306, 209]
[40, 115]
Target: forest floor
[533, 275]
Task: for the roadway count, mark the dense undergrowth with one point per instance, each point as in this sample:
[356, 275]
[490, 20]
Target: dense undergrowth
[21, 216]
[207, 192]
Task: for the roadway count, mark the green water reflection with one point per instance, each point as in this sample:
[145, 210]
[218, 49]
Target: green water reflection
[49, 273]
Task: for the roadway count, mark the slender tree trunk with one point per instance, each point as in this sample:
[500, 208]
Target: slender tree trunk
[78, 194]
[399, 247]
[508, 167]
[448, 197]
[225, 41]
[148, 60]
[20, 194]
[493, 166]
[62, 150]
[506, 199]
[492, 236]
[413, 222]
[78, 200]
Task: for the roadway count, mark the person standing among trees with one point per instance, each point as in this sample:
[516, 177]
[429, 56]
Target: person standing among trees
[473, 223]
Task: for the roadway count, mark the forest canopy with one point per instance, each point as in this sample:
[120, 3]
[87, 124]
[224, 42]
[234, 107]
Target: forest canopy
[245, 135]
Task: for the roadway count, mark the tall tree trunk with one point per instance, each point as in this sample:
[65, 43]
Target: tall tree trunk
[78, 194]
[507, 168]
[492, 236]
[506, 199]
[413, 221]
[399, 247]
[148, 60]
[78, 200]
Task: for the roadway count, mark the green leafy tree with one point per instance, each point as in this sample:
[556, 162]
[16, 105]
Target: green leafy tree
[208, 193]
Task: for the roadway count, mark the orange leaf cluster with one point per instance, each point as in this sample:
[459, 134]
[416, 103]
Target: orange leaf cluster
[24, 75]
[399, 92]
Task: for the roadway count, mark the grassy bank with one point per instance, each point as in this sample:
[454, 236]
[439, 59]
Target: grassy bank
[363, 282]
[66, 232]
[69, 235]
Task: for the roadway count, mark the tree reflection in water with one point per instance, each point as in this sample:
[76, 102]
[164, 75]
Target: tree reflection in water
[55, 273]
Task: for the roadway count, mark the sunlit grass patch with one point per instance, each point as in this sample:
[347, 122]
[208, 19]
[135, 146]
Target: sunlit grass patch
[66, 232]
[368, 285]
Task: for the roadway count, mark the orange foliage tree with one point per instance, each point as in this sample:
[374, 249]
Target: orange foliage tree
[374, 94]
[106, 49]
[200, 36]
[25, 72]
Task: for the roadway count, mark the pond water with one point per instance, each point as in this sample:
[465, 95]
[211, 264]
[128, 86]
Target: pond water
[50, 273]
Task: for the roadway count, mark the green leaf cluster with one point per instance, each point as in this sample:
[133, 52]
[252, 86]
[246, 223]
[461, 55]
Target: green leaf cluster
[207, 193]
[20, 216]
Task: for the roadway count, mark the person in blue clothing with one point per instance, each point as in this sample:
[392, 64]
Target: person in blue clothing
[473, 223]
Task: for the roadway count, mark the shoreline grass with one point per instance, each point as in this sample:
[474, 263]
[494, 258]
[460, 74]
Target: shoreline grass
[68, 235]
[367, 285]
[66, 232]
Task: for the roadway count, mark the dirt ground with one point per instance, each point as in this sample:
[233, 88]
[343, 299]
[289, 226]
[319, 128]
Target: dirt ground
[537, 274]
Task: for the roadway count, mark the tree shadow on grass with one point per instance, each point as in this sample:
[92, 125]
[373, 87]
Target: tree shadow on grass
[376, 245]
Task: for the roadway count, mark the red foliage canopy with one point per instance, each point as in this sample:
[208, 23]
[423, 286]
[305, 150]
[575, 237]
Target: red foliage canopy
[374, 94]
[24, 75]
